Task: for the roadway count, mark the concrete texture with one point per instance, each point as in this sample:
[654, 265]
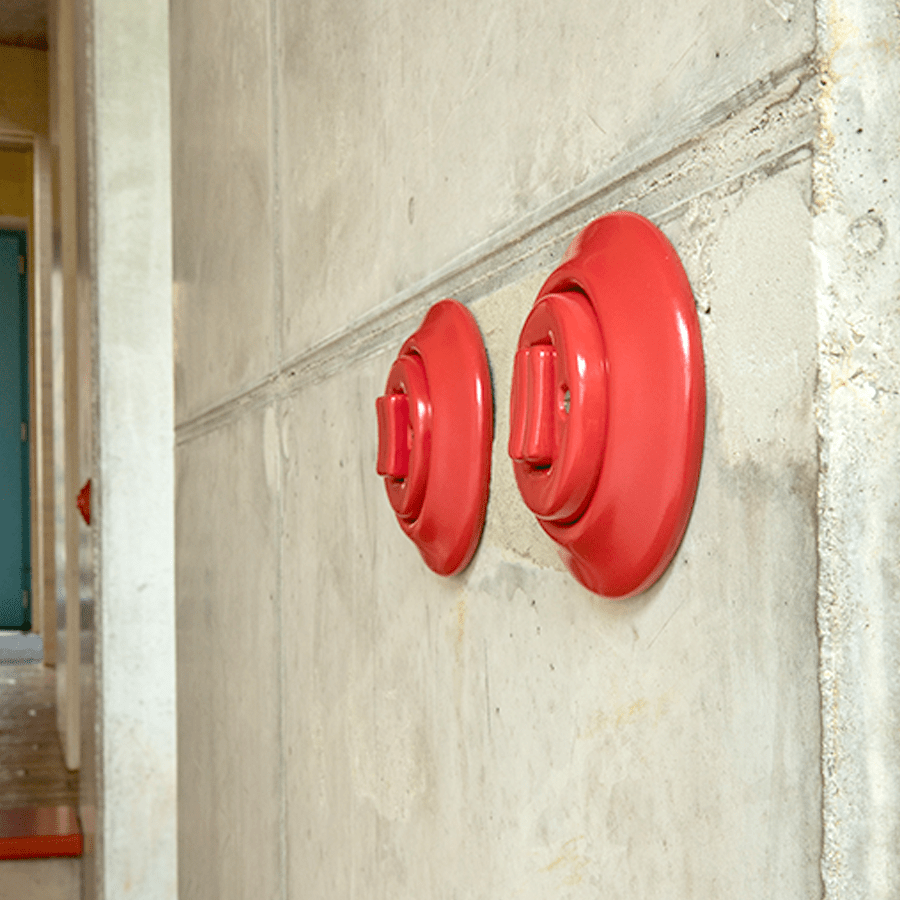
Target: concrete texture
[65, 103]
[408, 134]
[351, 725]
[229, 809]
[858, 413]
[221, 172]
[133, 464]
[383, 153]
[558, 743]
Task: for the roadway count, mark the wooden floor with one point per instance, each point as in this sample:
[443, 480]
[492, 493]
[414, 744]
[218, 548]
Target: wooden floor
[32, 771]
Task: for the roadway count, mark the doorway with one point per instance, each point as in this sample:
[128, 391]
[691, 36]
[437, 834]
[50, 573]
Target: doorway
[15, 520]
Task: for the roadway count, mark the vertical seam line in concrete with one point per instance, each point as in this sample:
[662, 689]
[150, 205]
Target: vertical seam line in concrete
[279, 607]
[823, 632]
[275, 183]
[828, 647]
[277, 316]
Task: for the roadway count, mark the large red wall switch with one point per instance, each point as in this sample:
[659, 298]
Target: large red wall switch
[608, 405]
[435, 427]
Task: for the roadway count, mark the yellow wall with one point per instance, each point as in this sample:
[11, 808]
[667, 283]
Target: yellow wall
[15, 183]
[24, 97]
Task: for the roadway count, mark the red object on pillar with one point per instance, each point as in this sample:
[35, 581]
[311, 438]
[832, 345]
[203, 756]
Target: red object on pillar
[84, 502]
[435, 427]
[608, 405]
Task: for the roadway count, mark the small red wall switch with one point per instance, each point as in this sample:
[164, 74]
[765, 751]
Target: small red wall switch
[608, 402]
[84, 502]
[435, 427]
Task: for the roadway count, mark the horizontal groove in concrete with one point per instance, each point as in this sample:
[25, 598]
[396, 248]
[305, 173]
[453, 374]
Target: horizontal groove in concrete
[767, 127]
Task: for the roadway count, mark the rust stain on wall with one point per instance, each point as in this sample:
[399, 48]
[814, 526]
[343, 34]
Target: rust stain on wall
[570, 864]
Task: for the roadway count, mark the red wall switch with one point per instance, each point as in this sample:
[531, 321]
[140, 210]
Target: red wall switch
[608, 405]
[435, 427]
[83, 502]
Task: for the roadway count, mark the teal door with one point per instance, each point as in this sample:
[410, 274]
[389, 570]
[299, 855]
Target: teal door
[15, 551]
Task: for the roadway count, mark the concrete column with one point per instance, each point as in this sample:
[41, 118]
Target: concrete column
[857, 199]
[68, 700]
[132, 282]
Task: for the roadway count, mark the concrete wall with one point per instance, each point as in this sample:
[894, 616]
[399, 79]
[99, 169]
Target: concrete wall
[70, 356]
[134, 451]
[110, 66]
[857, 173]
[349, 724]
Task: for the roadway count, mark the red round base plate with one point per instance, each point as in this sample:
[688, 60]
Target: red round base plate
[450, 441]
[656, 398]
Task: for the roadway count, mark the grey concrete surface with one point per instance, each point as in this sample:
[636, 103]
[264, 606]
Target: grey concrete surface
[343, 157]
[504, 733]
[858, 411]
[133, 495]
[225, 323]
[560, 744]
[228, 627]
[407, 134]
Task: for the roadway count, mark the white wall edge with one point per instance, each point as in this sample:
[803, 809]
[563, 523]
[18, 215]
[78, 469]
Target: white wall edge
[137, 775]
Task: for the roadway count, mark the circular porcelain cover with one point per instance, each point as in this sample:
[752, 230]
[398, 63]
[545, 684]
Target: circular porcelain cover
[612, 479]
[435, 431]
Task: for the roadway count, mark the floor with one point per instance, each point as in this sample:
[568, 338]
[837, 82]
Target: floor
[32, 773]
[18, 647]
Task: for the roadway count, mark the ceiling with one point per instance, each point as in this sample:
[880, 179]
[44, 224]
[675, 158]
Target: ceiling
[23, 23]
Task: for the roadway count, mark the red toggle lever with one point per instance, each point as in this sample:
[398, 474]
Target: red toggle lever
[393, 435]
[532, 436]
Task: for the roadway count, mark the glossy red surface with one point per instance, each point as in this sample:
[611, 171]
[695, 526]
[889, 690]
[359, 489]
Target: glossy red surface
[404, 436]
[561, 410]
[616, 488]
[36, 832]
[84, 502]
[435, 427]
